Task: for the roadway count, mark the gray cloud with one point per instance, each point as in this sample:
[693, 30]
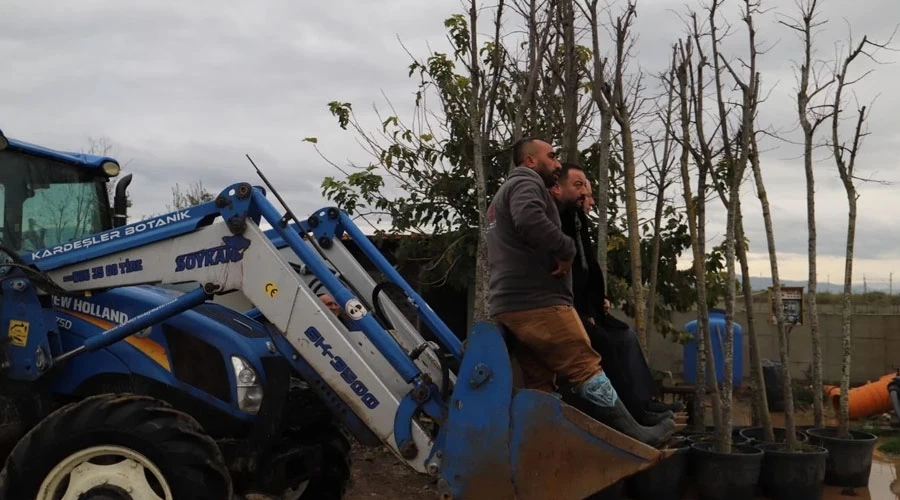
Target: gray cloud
[184, 90]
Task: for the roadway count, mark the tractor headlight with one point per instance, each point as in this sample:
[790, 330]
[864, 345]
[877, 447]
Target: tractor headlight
[110, 168]
[249, 390]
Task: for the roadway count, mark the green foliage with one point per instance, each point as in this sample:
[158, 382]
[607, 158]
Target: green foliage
[420, 181]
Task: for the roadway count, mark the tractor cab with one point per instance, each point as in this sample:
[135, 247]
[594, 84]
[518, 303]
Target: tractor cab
[49, 198]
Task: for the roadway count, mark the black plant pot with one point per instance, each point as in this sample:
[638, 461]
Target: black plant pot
[711, 437]
[666, 480]
[788, 475]
[711, 430]
[804, 428]
[849, 459]
[731, 476]
[755, 435]
[708, 436]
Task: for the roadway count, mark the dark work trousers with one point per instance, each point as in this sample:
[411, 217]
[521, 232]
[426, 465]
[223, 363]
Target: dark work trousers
[623, 361]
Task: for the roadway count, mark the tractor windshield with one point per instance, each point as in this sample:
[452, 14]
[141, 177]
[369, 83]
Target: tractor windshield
[46, 202]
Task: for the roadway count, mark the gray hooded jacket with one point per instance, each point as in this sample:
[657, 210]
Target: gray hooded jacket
[524, 239]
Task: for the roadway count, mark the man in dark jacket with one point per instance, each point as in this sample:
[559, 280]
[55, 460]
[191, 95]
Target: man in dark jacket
[617, 344]
[530, 291]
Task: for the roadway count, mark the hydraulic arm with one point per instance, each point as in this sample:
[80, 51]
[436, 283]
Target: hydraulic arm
[482, 437]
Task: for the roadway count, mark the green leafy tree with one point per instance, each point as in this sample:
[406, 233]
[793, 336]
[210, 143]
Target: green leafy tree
[420, 180]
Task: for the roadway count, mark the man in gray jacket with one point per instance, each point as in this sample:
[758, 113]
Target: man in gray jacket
[530, 291]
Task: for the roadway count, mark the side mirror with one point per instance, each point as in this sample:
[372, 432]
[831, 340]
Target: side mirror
[4, 142]
[120, 202]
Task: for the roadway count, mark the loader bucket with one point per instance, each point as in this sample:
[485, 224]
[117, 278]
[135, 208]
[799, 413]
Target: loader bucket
[503, 443]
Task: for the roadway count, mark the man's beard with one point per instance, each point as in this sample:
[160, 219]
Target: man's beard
[577, 203]
[549, 176]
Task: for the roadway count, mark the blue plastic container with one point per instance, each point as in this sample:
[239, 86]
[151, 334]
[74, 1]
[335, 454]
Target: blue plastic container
[717, 330]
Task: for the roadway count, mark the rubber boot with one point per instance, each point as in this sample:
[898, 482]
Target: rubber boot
[659, 406]
[651, 418]
[608, 409]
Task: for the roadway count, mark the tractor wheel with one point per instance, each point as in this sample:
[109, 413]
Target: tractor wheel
[310, 425]
[331, 480]
[116, 446]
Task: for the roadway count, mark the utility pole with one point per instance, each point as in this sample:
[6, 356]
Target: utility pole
[891, 284]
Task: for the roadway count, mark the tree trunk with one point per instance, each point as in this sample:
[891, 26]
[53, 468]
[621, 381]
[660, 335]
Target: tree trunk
[819, 410]
[695, 220]
[703, 346]
[634, 235]
[803, 98]
[601, 98]
[476, 115]
[603, 191]
[846, 315]
[570, 83]
[537, 46]
[723, 431]
[620, 107]
[759, 402]
[654, 255]
[662, 166]
[482, 278]
[779, 304]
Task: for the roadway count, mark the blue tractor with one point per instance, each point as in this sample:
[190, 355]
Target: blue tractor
[125, 374]
[263, 428]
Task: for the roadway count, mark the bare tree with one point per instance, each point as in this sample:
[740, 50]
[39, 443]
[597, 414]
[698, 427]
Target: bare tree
[845, 159]
[779, 305]
[749, 89]
[623, 102]
[103, 146]
[538, 40]
[601, 92]
[570, 81]
[682, 60]
[810, 119]
[482, 104]
[706, 156]
[660, 177]
[194, 195]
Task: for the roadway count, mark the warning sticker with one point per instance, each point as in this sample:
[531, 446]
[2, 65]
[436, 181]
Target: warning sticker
[18, 332]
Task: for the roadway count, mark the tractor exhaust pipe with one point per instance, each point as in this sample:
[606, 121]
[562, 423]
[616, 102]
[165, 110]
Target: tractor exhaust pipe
[120, 202]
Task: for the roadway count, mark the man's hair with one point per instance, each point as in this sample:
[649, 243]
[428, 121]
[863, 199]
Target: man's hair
[519, 147]
[566, 166]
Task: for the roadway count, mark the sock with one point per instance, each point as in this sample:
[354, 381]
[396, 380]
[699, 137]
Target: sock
[599, 390]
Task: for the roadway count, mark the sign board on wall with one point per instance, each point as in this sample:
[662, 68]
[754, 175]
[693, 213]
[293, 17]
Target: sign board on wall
[793, 300]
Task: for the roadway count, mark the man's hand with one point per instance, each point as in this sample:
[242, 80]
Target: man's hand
[606, 306]
[562, 267]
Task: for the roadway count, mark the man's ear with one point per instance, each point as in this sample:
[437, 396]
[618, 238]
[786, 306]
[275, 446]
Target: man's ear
[556, 190]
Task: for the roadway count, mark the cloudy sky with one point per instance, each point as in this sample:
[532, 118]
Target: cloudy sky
[184, 89]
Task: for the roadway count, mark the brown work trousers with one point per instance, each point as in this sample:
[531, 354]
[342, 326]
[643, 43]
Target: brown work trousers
[551, 340]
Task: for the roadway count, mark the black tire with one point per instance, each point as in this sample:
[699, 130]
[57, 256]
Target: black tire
[172, 441]
[332, 479]
[310, 426]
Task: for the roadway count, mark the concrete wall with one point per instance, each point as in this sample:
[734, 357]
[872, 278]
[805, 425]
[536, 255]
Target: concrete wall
[876, 346]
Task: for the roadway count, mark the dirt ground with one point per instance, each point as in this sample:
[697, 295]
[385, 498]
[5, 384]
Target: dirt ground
[379, 475]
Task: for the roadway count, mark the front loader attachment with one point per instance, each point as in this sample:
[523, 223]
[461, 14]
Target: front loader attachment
[504, 443]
